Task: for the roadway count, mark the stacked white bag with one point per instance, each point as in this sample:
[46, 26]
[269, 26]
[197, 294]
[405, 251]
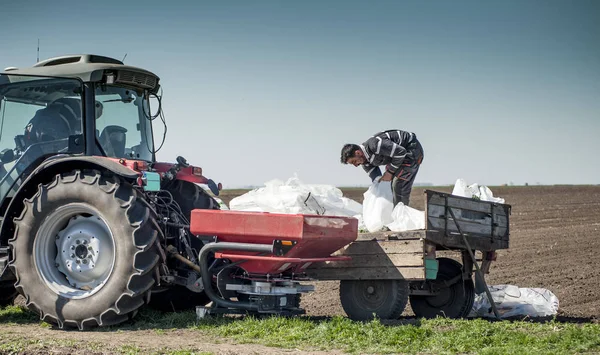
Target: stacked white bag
[474, 191]
[377, 212]
[293, 197]
[377, 206]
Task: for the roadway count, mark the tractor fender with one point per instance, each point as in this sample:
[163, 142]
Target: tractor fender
[45, 172]
[191, 173]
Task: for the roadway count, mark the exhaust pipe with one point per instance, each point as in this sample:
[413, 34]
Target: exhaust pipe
[207, 277]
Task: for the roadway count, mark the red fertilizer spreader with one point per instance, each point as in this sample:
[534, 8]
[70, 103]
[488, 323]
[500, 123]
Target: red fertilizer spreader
[254, 261]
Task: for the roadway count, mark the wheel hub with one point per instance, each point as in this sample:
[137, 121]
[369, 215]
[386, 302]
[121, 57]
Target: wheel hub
[443, 297]
[365, 299]
[79, 258]
[74, 251]
[372, 295]
[81, 253]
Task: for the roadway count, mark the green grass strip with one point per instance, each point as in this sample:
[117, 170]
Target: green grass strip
[441, 336]
[412, 336]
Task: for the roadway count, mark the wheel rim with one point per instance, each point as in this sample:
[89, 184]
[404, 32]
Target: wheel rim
[74, 251]
[444, 297]
[371, 294]
[452, 301]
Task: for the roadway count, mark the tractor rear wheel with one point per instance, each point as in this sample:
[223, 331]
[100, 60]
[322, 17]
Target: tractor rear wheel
[366, 299]
[84, 251]
[453, 301]
[188, 196]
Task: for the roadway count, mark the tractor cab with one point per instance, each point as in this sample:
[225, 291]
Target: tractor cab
[73, 105]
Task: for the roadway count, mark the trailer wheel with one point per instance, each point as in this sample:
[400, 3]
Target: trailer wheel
[454, 301]
[368, 299]
[84, 251]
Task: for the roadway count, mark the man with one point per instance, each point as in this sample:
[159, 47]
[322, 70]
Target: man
[399, 151]
[58, 120]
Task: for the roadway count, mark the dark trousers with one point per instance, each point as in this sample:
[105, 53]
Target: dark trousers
[405, 175]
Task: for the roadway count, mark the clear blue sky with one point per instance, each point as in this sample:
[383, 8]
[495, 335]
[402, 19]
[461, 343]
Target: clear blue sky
[497, 92]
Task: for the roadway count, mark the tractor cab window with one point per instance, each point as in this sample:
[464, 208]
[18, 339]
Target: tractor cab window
[39, 117]
[122, 129]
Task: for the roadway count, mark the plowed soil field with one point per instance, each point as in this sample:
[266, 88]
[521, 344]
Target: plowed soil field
[555, 238]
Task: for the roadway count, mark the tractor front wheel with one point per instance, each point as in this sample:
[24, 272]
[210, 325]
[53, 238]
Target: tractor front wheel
[84, 251]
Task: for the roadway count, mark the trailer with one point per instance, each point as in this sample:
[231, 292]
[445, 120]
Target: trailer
[439, 268]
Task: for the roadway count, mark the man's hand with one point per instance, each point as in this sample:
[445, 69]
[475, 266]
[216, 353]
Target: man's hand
[386, 177]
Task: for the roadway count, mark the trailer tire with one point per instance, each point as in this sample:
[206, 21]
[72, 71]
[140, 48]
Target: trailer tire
[455, 301]
[84, 251]
[368, 299]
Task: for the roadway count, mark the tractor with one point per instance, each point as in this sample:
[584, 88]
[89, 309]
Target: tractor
[93, 227]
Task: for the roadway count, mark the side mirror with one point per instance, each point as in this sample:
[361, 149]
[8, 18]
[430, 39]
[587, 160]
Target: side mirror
[182, 162]
[214, 188]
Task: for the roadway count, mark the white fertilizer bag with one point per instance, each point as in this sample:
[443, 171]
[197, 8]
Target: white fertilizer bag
[474, 191]
[378, 206]
[406, 218]
[293, 197]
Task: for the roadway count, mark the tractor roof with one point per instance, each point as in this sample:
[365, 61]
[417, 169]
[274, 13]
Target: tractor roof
[89, 68]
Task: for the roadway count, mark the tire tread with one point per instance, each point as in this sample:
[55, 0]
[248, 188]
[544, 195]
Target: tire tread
[144, 234]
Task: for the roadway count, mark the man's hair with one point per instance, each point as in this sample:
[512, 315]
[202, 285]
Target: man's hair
[348, 152]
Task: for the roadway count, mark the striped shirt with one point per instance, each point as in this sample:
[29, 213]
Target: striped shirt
[387, 147]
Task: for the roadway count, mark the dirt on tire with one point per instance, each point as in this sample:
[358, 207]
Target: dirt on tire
[105, 205]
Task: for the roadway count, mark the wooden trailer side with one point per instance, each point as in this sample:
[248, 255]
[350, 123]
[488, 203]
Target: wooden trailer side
[380, 256]
[411, 255]
[484, 224]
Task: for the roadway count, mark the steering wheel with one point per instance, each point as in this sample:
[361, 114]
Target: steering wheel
[113, 139]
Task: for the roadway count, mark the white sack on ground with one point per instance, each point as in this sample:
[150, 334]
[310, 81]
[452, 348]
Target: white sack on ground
[514, 301]
[474, 190]
[378, 206]
[406, 218]
[293, 197]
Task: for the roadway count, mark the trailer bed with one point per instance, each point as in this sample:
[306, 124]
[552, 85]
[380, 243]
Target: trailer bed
[411, 255]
